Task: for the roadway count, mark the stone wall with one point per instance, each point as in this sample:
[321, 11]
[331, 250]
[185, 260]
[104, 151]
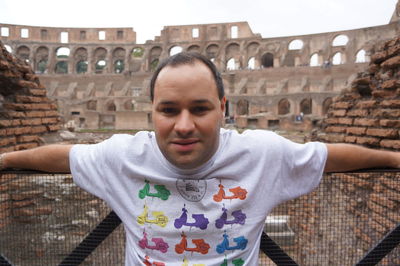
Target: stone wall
[25, 111]
[368, 113]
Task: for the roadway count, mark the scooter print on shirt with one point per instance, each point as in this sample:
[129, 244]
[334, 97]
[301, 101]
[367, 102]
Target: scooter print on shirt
[160, 244]
[235, 262]
[241, 243]
[159, 218]
[161, 193]
[186, 263]
[237, 193]
[200, 245]
[199, 220]
[154, 263]
[239, 218]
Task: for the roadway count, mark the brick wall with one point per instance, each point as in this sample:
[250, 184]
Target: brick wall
[25, 111]
[368, 113]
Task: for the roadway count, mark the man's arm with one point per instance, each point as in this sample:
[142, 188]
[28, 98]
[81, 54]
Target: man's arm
[347, 157]
[51, 158]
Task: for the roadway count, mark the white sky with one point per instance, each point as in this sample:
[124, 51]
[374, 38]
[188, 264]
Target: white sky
[270, 18]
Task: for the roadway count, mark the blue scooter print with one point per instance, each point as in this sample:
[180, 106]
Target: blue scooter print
[239, 218]
[199, 220]
[241, 243]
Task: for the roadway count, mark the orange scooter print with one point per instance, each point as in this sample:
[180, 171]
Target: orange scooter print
[237, 193]
[200, 245]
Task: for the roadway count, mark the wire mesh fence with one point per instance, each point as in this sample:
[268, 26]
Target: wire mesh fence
[43, 217]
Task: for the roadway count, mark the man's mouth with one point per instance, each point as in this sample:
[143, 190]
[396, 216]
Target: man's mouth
[184, 145]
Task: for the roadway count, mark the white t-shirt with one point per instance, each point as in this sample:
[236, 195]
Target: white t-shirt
[204, 216]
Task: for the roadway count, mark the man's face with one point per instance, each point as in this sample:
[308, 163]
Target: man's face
[187, 114]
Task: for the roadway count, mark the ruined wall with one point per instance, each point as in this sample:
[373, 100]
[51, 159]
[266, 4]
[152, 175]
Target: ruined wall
[25, 111]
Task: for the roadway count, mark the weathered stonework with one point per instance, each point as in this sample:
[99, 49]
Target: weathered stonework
[25, 111]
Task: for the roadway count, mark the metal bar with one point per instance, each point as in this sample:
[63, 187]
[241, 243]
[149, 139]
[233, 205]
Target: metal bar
[387, 244]
[4, 261]
[93, 240]
[275, 252]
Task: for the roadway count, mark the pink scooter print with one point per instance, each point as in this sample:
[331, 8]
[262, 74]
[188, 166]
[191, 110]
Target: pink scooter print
[159, 243]
[237, 193]
[199, 220]
[200, 246]
[239, 218]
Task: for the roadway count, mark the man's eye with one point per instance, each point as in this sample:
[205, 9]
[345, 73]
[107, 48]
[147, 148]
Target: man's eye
[200, 109]
[168, 110]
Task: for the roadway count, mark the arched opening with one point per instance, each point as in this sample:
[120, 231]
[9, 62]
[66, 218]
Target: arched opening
[295, 45]
[111, 107]
[314, 60]
[137, 52]
[337, 59]
[175, 50]
[283, 107]
[91, 105]
[242, 107]
[119, 66]
[231, 64]
[23, 53]
[306, 106]
[100, 65]
[267, 60]
[8, 48]
[251, 64]
[62, 52]
[41, 66]
[61, 67]
[361, 57]
[154, 64]
[325, 105]
[340, 40]
[194, 48]
[128, 105]
[212, 51]
[81, 67]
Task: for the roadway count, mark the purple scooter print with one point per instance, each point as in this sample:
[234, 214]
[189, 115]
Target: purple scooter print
[239, 218]
[199, 220]
[160, 244]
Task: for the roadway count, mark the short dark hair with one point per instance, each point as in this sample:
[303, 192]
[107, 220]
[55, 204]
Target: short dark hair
[188, 58]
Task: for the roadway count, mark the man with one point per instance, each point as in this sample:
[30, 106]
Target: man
[192, 191]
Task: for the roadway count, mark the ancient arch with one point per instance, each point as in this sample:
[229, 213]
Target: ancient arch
[154, 57]
[61, 67]
[267, 60]
[100, 56]
[306, 106]
[23, 53]
[232, 51]
[283, 107]
[325, 105]
[91, 105]
[242, 107]
[41, 59]
[251, 63]
[111, 107]
[296, 45]
[81, 60]
[340, 40]
[361, 56]
[194, 48]
[212, 51]
[314, 60]
[175, 50]
[128, 105]
[118, 60]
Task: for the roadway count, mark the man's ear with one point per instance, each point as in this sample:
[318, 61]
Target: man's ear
[223, 106]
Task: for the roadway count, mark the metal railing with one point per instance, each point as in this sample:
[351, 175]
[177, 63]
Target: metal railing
[278, 255]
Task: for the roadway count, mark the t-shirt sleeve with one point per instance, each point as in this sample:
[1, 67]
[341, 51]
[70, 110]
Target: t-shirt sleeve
[88, 163]
[302, 167]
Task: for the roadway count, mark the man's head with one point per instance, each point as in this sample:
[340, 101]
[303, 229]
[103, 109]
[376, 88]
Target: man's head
[188, 58]
[188, 109]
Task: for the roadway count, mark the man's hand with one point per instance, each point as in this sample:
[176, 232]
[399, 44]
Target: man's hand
[347, 157]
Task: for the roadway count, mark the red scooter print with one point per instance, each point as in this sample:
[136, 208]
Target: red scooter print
[239, 218]
[237, 193]
[199, 220]
[200, 246]
[155, 263]
[159, 243]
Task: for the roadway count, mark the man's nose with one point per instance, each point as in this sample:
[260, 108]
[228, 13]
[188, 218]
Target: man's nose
[184, 124]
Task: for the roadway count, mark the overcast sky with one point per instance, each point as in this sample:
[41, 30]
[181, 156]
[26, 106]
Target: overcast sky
[270, 18]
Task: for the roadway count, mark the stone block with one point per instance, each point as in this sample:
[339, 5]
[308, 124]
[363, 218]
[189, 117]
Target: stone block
[366, 122]
[356, 130]
[366, 104]
[368, 141]
[358, 112]
[391, 63]
[391, 144]
[385, 133]
[390, 84]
